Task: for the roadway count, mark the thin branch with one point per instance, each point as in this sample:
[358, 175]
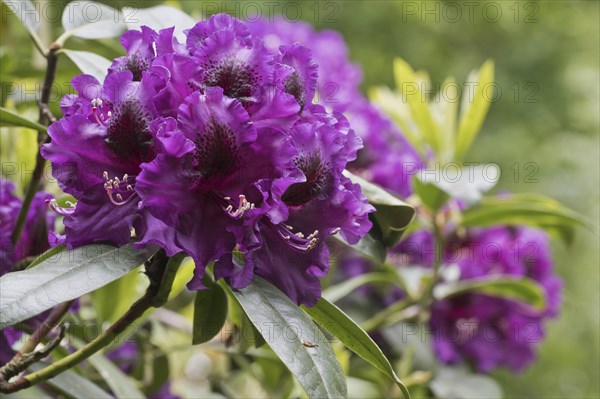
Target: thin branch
[47, 325]
[40, 162]
[161, 271]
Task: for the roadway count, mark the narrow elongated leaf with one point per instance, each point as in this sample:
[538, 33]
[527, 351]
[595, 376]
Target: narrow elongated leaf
[91, 20]
[525, 209]
[73, 385]
[407, 82]
[334, 320]
[11, 118]
[119, 382]
[296, 340]
[159, 17]
[29, 16]
[210, 313]
[521, 289]
[89, 63]
[338, 291]
[62, 277]
[49, 253]
[474, 108]
[369, 246]
[393, 215]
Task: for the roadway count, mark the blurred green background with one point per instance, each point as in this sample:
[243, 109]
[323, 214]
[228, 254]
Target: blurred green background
[544, 122]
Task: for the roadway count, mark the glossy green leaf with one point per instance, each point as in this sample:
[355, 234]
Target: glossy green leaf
[407, 83]
[393, 215]
[159, 17]
[292, 335]
[525, 209]
[334, 320]
[339, 291]
[431, 195]
[73, 385]
[119, 382]
[210, 313]
[49, 253]
[62, 277]
[89, 63]
[369, 246]
[520, 289]
[474, 108]
[11, 118]
[91, 20]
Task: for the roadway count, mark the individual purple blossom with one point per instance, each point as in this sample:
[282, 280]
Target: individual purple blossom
[96, 152]
[293, 254]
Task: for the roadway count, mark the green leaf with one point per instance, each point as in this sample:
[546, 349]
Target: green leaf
[291, 334]
[334, 320]
[91, 20]
[525, 209]
[521, 289]
[28, 14]
[369, 246]
[458, 383]
[338, 291]
[72, 384]
[120, 383]
[89, 63]
[431, 195]
[159, 17]
[10, 118]
[63, 277]
[210, 313]
[474, 110]
[393, 215]
[407, 83]
[444, 109]
[49, 253]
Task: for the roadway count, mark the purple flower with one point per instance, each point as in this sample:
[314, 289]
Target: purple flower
[339, 79]
[323, 202]
[210, 147]
[96, 152]
[490, 331]
[34, 236]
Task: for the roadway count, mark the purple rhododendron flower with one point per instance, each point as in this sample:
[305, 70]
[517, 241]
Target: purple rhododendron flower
[211, 146]
[490, 331]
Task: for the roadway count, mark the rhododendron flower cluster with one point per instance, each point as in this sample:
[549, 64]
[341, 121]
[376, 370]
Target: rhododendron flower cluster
[209, 147]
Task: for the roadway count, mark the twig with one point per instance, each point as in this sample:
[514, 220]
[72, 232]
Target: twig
[47, 325]
[44, 118]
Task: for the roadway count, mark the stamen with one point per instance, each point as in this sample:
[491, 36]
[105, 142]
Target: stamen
[97, 103]
[114, 184]
[53, 205]
[242, 208]
[297, 241]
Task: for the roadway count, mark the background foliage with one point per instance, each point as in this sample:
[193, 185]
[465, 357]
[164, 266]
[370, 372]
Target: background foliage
[547, 55]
